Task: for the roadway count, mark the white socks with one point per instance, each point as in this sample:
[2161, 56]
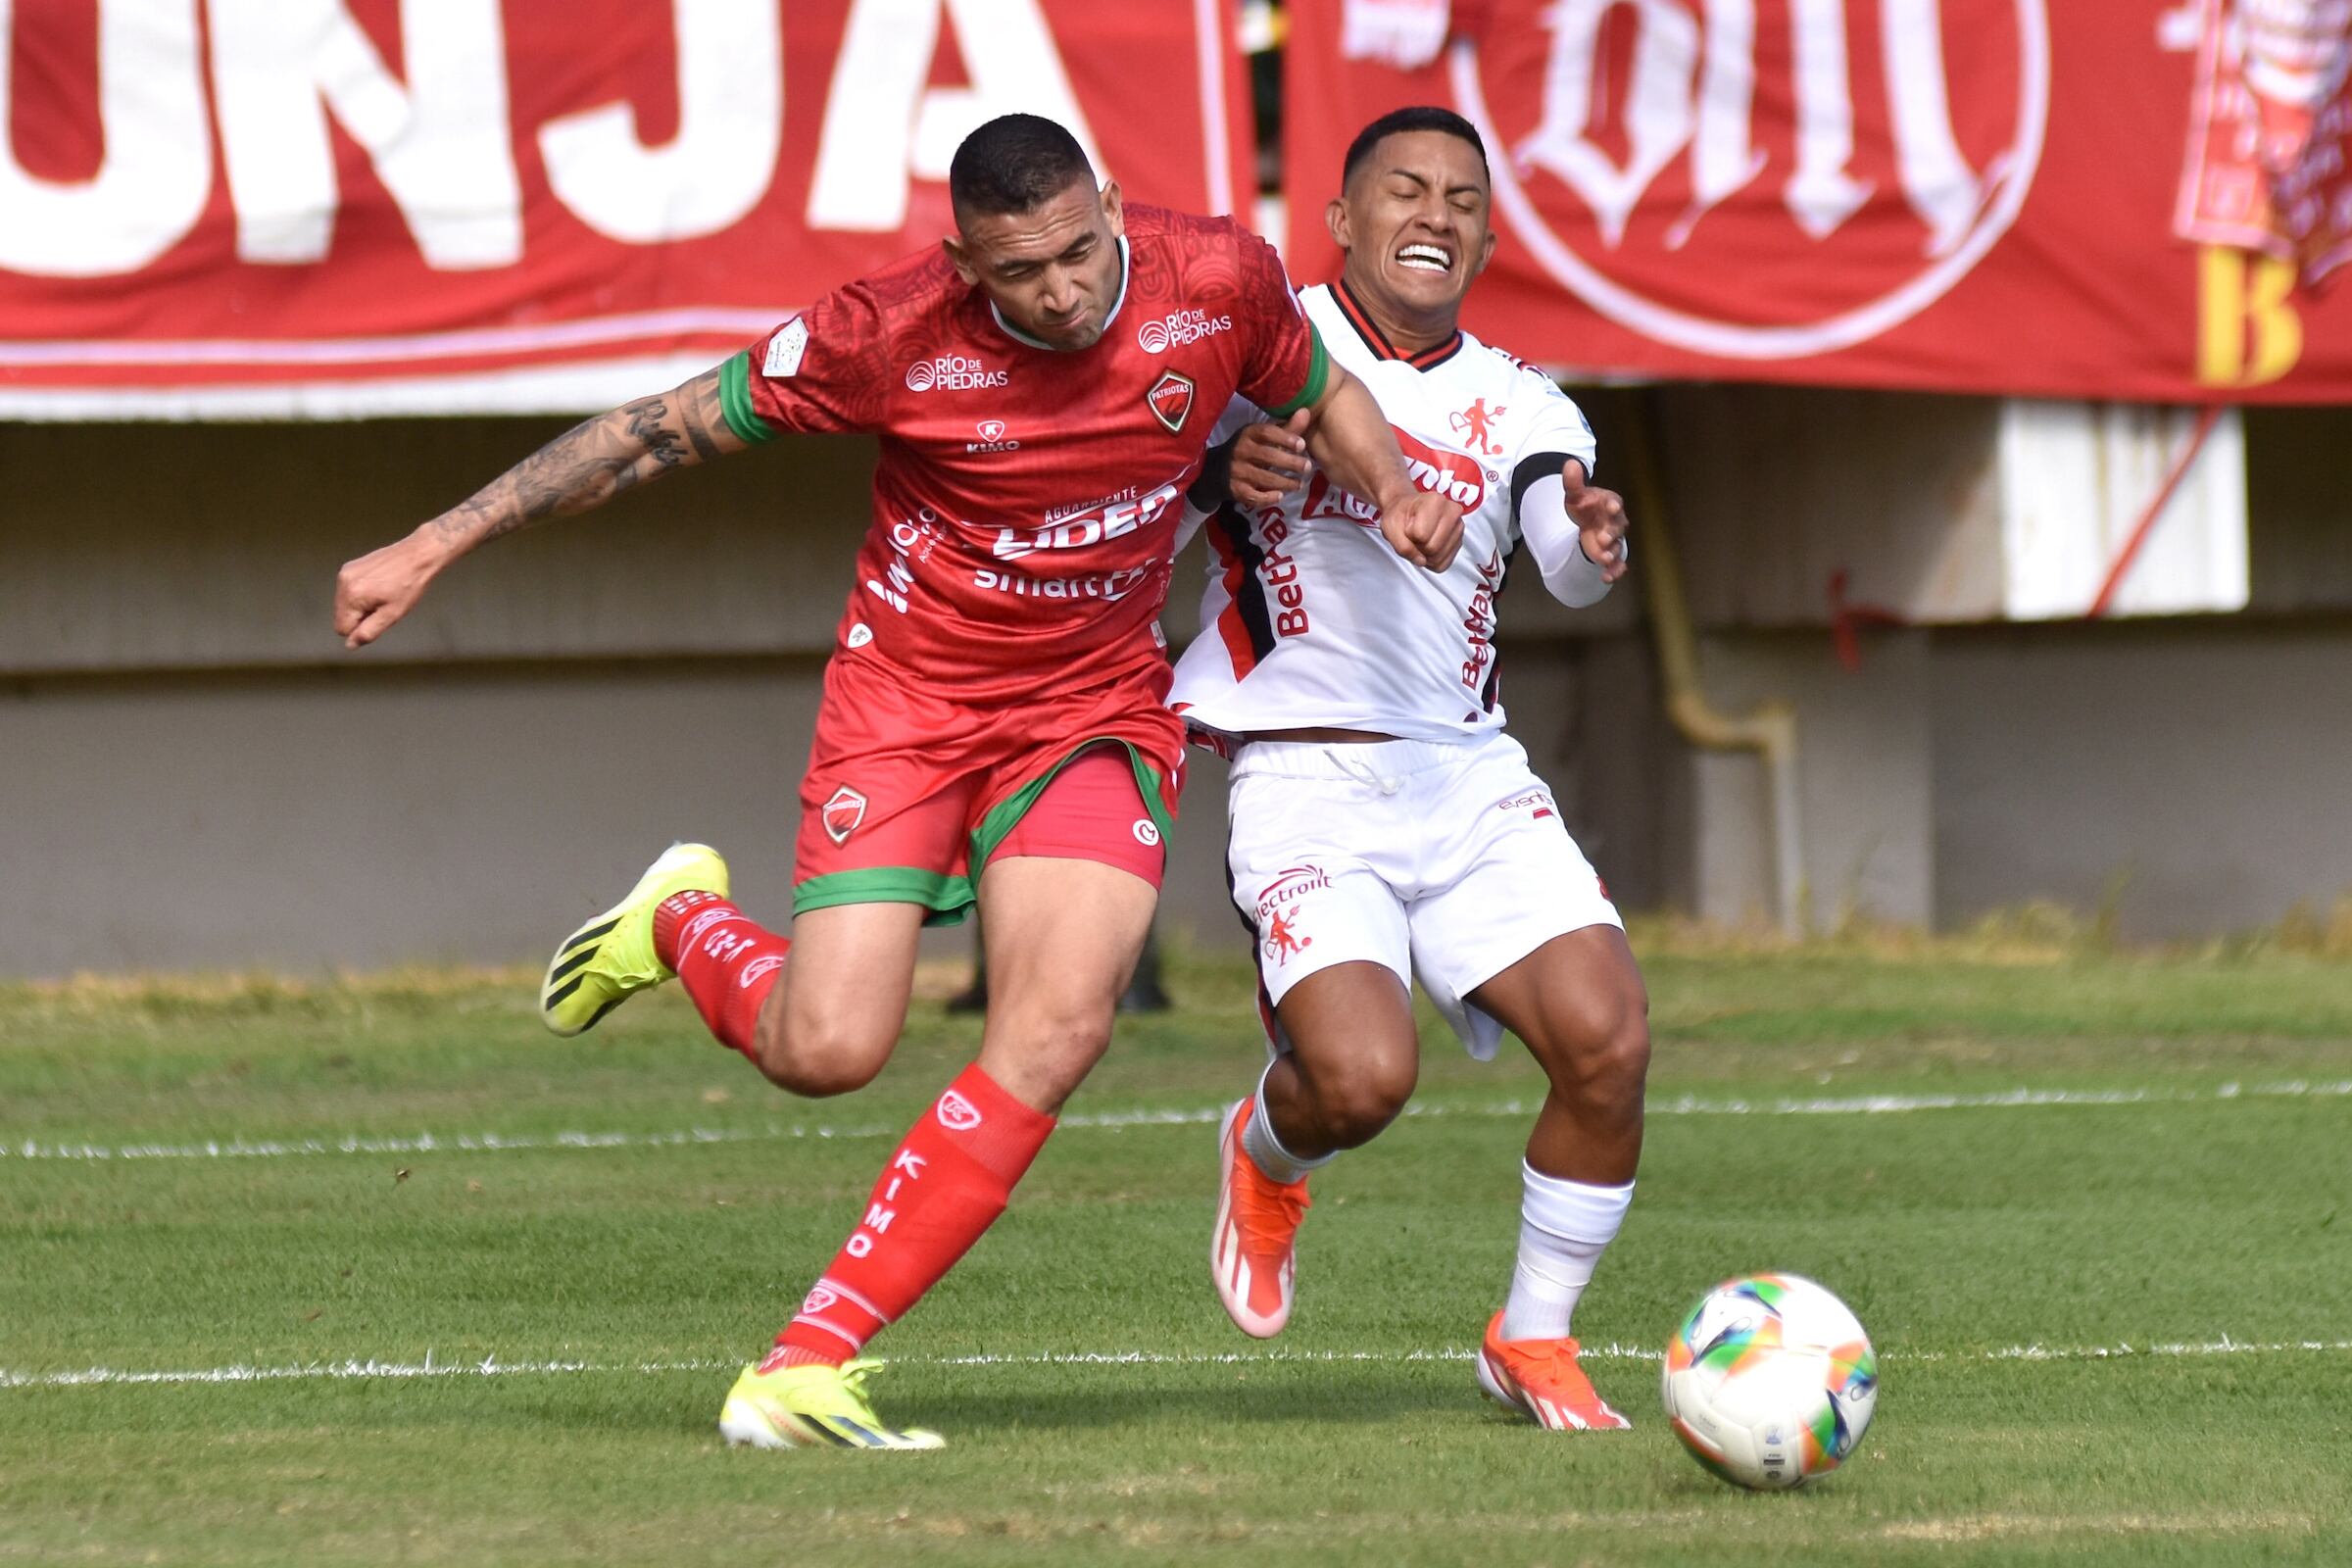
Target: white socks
[1564, 1227]
[1265, 1151]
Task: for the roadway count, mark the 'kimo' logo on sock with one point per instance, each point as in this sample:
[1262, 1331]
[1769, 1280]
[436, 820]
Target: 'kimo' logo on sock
[957, 1113]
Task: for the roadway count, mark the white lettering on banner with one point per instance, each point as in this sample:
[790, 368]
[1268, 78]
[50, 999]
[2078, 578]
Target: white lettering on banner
[1657, 107]
[1693, 85]
[1821, 195]
[156, 173]
[440, 145]
[1724, 157]
[1938, 182]
[885, 124]
[721, 162]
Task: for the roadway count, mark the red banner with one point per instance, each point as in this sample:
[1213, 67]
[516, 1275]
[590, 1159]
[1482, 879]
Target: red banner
[1957, 195]
[357, 206]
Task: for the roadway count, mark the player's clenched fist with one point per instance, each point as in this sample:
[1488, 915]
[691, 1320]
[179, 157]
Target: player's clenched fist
[1599, 518]
[1425, 529]
[381, 586]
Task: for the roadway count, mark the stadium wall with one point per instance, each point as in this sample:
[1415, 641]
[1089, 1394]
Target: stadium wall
[194, 774]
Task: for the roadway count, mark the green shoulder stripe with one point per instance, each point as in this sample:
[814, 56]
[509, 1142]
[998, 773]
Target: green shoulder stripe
[735, 399]
[1318, 376]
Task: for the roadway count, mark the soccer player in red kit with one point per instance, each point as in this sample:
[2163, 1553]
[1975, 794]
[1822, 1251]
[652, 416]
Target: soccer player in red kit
[992, 730]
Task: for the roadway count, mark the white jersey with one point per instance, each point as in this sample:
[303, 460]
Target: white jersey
[1311, 619]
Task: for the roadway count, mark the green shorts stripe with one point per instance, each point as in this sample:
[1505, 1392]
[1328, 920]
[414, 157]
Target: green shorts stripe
[948, 899]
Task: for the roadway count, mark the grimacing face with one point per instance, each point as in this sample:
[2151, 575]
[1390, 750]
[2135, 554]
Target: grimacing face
[1052, 270]
[1413, 221]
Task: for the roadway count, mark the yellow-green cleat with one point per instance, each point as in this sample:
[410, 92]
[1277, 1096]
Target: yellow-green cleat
[813, 1406]
[609, 960]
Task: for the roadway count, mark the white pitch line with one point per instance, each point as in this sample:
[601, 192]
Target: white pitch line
[775, 1132]
[490, 1367]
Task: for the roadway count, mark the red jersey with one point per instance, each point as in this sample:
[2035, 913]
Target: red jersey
[1025, 493]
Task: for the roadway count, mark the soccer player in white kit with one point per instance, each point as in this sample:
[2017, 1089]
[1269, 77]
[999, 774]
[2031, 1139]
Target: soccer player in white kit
[1383, 823]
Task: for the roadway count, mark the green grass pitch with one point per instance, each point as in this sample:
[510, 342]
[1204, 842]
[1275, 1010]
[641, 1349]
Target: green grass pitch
[2013, 1171]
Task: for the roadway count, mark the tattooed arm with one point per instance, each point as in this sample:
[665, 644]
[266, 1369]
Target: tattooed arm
[585, 467]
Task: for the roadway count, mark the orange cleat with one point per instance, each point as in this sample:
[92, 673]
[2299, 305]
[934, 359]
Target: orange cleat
[1251, 1254]
[1539, 1379]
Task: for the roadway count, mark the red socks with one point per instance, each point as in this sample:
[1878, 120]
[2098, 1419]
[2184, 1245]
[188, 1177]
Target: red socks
[727, 963]
[947, 1183]
[947, 1180]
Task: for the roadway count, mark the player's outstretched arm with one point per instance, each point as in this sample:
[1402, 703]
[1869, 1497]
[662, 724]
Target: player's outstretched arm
[1353, 441]
[1575, 532]
[585, 467]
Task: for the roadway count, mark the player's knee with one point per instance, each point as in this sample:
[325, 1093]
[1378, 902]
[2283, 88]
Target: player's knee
[819, 1059]
[1354, 1105]
[1043, 1053]
[1597, 1053]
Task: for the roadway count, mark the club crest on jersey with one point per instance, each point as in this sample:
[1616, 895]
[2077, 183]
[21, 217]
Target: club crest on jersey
[1475, 424]
[842, 812]
[1171, 398]
[1282, 940]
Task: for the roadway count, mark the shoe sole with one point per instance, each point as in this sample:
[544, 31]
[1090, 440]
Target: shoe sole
[1237, 1307]
[568, 969]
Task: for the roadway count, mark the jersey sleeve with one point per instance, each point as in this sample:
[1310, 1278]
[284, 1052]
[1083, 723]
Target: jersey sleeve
[1284, 366]
[826, 371]
[1553, 434]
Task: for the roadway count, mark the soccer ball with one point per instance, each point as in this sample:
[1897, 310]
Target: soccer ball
[1770, 1382]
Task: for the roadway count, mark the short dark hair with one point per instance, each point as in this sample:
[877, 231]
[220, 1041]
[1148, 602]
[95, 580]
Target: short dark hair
[1012, 163]
[1418, 117]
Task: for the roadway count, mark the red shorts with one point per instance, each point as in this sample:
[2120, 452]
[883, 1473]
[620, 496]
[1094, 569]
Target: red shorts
[910, 793]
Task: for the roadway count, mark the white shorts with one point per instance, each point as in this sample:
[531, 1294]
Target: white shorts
[1443, 860]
